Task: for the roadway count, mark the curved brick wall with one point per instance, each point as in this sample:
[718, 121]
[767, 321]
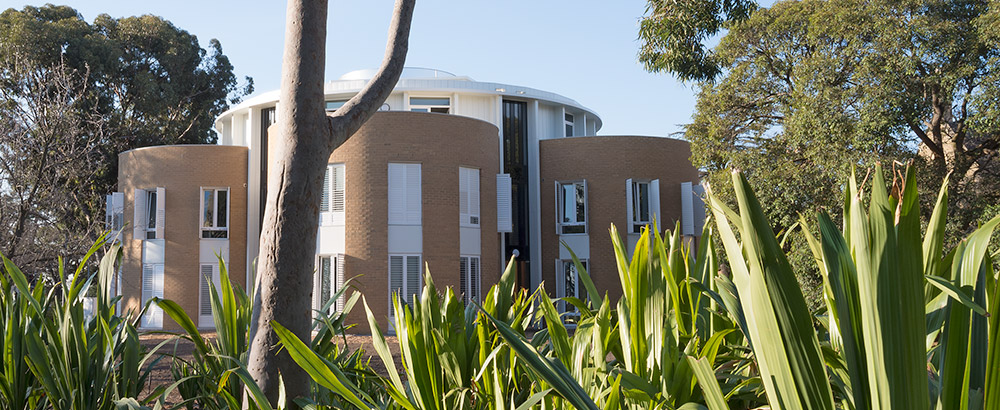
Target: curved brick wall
[606, 162]
[441, 143]
[182, 170]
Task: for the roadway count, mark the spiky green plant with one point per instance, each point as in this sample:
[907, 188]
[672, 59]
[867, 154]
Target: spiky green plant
[55, 355]
[894, 300]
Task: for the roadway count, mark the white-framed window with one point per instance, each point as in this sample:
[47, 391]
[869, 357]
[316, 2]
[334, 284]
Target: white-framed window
[568, 282]
[149, 213]
[571, 207]
[114, 212]
[333, 105]
[405, 278]
[469, 278]
[404, 194]
[568, 120]
[332, 201]
[214, 213]
[468, 196]
[431, 104]
[329, 280]
[208, 276]
[643, 203]
[152, 287]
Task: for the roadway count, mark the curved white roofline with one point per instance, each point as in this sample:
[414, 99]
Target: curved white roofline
[424, 80]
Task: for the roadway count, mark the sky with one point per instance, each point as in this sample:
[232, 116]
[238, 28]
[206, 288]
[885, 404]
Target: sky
[585, 50]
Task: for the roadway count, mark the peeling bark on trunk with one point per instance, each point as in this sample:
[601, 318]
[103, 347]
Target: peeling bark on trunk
[306, 138]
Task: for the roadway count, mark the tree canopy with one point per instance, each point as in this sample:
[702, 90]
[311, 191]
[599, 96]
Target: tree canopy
[122, 83]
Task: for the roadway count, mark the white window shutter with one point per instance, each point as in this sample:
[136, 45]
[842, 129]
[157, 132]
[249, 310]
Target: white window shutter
[118, 210]
[161, 206]
[109, 214]
[654, 204]
[339, 273]
[629, 205]
[687, 210]
[413, 194]
[463, 278]
[139, 215]
[698, 208]
[397, 193]
[338, 178]
[324, 198]
[463, 195]
[412, 278]
[474, 193]
[474, 278]
[207, 277]
[505, 221]
[559, 208]
[395, 280]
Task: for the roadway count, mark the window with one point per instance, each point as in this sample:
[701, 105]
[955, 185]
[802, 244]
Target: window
[333, 105]
[333, 189]
[643, 205]
[469, 278]
[114, 216]
[571, 207]
[329, 281]
[568, 119]
[152, 287]
[468, 196]
[148, 216]
[404, 194]
[431, 104]
[215, 212]
[567, 282]
[404, 278]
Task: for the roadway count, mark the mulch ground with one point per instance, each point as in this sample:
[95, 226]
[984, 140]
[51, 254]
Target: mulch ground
[182, 349]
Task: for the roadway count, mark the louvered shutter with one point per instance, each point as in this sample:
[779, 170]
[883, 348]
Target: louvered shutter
[337, 179]
[207, 278]
[339, 272]
[505, 221]
[629, 205]
[474, 279]
[687, 211]
[463, 195]
[413, 194]
[117, 210]
[463, 274]
[473, 196]
[412, 278]
[654, 203]
[397, 194]
[161, 206]
[139, 215]
[152, 286]
[395, 280]
[324, 205]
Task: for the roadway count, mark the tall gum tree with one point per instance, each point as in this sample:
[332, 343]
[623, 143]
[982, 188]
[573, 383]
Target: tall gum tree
[307, 136]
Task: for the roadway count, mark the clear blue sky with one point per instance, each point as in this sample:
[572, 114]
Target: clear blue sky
[584, 50]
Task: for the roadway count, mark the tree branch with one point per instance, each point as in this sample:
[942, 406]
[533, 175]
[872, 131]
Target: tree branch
[934, 147]
[359, 108]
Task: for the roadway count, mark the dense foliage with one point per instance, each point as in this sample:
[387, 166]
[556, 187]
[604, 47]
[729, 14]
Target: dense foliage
[910, 323]
[73, 95]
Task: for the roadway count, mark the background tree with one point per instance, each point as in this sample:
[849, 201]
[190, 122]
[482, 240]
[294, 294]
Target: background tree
[131, 82]
[808, 89]
[307, 137]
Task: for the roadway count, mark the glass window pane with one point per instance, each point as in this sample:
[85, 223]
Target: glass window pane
[569, 278]
[419, 109]
[581, 204]
[569, 204]
[430, 101]
[569, 117]
[222, 208]
[643, 202]
[324, 280]
[442, 110]
[569, 130]
[209, 209]
[333, 105]
[151, 211]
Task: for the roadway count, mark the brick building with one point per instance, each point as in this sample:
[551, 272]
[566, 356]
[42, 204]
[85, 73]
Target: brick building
[452, 173]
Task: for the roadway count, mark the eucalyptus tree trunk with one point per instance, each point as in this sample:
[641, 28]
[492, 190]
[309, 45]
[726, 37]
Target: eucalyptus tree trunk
[307, 136]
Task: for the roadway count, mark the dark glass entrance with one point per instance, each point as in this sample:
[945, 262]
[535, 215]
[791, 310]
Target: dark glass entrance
[515, 160]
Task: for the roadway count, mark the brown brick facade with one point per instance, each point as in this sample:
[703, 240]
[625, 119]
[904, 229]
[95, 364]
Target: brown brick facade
[441, 143]
[606, 162]
[182, 170]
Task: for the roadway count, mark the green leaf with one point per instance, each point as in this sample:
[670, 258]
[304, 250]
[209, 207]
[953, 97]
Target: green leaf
[315, 366]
